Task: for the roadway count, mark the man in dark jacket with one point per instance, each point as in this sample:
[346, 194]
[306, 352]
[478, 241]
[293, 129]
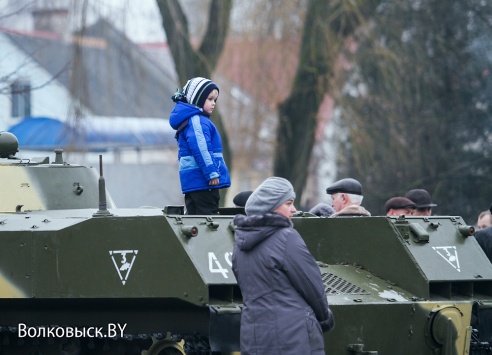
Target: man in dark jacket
[285, 309]
[484, 238]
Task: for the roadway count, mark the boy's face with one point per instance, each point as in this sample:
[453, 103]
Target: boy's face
[209, 104]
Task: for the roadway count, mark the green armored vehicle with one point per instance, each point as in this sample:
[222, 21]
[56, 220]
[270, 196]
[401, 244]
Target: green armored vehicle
[80, 276]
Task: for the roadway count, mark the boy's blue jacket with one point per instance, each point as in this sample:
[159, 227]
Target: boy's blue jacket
[200, 156]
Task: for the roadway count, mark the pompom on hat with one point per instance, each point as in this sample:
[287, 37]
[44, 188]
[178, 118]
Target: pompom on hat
[267, 197]
[195, 91]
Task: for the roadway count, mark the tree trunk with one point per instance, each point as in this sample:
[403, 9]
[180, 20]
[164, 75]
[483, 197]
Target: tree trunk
[327, 26]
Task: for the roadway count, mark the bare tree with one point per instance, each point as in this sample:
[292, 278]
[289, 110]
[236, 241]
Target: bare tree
[327, 26]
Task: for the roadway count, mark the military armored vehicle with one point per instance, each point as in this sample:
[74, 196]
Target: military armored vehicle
[80, 276]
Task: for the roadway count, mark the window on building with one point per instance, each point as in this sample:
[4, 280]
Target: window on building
[21, 99]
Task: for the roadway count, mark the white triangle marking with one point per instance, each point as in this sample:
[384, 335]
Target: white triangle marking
[450, 254]
[120, 257]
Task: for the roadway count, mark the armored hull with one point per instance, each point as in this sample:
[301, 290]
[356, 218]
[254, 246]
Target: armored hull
[80, 276]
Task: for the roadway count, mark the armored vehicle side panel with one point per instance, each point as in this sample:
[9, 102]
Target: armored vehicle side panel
[78, 279]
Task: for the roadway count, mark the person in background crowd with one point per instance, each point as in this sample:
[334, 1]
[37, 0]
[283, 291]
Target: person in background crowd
[422, 200]
[346, 195]
[397, 206]
[285, 308]
[484, 238]
[484, 220]
[202, 169]
[322, 210]
[240, 199]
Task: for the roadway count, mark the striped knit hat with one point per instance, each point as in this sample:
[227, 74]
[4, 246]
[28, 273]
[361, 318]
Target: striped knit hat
[197, 90]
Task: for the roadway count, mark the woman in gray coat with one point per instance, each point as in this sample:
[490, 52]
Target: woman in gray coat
[285, 309]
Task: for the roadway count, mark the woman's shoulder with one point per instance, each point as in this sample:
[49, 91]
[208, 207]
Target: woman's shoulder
[268, 219]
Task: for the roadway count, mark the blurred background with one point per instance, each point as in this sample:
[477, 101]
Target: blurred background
[394, 93]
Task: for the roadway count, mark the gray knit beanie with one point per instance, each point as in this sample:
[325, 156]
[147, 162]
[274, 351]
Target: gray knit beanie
[267, 197]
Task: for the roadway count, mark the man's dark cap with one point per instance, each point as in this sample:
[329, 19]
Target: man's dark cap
[348, 186]
[397, 203]
[421, 198]
[241, 198]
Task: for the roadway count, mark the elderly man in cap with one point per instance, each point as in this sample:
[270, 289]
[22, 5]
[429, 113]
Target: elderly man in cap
[397, 206]
[422, 200]
[346, 195]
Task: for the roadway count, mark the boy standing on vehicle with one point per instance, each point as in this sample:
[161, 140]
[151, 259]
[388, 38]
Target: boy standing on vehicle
[202, 169]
